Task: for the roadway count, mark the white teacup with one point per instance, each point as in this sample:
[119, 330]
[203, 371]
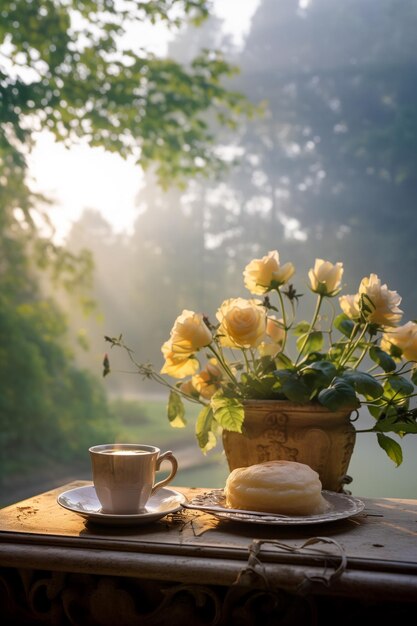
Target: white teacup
[124, 475]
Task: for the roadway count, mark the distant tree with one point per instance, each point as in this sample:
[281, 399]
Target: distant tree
[65, 67]
[49, 409]
[331, 168]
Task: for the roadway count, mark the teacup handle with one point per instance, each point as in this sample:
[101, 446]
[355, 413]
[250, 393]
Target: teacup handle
[166, 456]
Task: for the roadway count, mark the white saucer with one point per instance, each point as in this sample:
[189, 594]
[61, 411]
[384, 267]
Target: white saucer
[84, 501]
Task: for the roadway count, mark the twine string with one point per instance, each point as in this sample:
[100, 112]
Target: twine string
[256, 568]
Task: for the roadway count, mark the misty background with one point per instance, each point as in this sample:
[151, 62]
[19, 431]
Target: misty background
[328, 170]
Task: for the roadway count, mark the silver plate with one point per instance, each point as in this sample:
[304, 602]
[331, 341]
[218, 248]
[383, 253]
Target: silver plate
[342, 506]
[84, 502]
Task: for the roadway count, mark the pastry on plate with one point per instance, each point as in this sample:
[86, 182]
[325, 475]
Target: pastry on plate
[284, 487]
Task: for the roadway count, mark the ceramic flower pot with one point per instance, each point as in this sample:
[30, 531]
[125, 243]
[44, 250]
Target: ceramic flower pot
[310, 434]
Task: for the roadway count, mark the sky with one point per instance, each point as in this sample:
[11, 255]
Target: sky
[90, 178]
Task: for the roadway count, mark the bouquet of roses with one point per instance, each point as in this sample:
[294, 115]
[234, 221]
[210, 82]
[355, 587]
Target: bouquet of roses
[245, 353]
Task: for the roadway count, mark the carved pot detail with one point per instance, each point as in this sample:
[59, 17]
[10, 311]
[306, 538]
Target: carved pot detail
[310, 434]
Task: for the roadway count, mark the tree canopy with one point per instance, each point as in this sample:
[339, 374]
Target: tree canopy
[69, 66]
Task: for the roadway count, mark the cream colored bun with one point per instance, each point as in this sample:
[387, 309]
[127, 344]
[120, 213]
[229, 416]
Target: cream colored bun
[284, 487]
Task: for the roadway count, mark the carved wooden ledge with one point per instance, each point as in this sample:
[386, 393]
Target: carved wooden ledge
[61, 599]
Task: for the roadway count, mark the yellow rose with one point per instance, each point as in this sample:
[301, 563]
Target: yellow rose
[189, 333]
[208, 381]
[188, 388]
[350, 306]
[378, 304]
[325, 277]
[275, 329]
[262, 275]
[405, 338]
[242, 323]
[178, 366]
[276, 333]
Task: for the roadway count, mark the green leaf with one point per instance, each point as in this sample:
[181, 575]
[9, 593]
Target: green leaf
[283, 362]
[398, 387]
[340, 395]
[375, 410]
[292, 386]
[301, 328]
[364, 383]
[319, 373]
[391, 447]
[336, 350]
[203, 429]
[414, 375]
[395, 351]
[265, 365]
[313, 342]
[176, 410]
[313, 357]
[394, 424]
[344, 324]
[228, 412]
[262, 388]
[384, 360]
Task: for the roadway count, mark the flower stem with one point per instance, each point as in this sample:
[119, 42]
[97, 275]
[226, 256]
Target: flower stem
[351, 350]
[148, 372]
[361, 357]
[284, 318]
[313, 321]
[219, 356]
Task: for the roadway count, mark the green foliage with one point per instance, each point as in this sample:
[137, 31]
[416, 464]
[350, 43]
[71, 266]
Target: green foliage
[363, 383]
[398, 388]
[282, 361]
[228, 412]
[301, 329]
[399, 422]
[292, 386]
[260, 387]
[204, 429]
[391, 447]
[82, 81]
[176, 410]
[48, 407]
[311, 342]
[344, 325]
[381, 358]
[319, 375]
[339, 395]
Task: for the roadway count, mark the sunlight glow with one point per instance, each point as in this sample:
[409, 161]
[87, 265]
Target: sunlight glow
[82, 177]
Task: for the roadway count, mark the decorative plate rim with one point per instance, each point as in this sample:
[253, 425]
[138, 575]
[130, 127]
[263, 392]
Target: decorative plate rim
[343, 507]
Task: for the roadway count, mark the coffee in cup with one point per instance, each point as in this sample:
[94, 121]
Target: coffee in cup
[124, 475]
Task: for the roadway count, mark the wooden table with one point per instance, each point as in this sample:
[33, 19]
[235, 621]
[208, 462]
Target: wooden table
[192, 568]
